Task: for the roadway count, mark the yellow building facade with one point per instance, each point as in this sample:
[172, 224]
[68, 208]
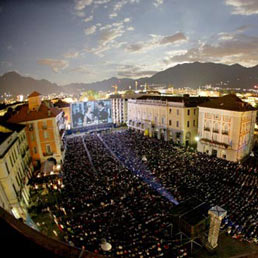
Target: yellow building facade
[166, 117]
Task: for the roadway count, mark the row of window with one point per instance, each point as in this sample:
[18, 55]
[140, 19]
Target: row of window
[217, 117]
[48, 149]
[170, 112]
[44, 125]
[188, 111]
[45, 135]
[218, 138]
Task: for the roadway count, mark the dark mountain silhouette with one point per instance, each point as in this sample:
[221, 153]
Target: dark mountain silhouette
[184, 75]
[16, 84]
[199, 74]
[105, 85]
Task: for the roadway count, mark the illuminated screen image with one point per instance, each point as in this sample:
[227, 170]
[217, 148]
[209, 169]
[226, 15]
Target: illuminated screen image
[91, 113]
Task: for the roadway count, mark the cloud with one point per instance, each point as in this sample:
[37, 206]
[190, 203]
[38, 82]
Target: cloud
[243, 28]
[156, 41]
[112, 15]
[90, 30]
[55, 64]
[133, 71]
[82, 69]
[90, 18]
[230, 49]
[119, 4]
[131, 28]
[243, 7]
[157, 3]
[109, 35]
[127, 20]
[71, 54]
[136, 74]
[99, 2]
[106, 38]
[81, 4]
[173, 38]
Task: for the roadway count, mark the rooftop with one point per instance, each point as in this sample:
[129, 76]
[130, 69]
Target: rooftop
[13, 127]
[228, 102]
[4, 136]
[24, 114]
[187, 100]
[61, 104]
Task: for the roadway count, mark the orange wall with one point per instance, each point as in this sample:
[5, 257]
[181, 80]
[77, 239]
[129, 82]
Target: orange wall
[42, 141]
[51, 139]
[32, 144]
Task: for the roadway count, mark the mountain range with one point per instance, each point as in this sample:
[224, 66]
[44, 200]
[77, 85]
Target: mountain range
[191, 75]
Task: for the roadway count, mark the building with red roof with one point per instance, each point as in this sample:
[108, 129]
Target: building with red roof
[44, 128]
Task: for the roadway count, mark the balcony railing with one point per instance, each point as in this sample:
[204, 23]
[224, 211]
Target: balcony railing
[46, 154]
[207, 129]
[215, 131]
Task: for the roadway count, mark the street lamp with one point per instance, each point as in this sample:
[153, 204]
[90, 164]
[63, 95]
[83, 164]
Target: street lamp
[105, 246]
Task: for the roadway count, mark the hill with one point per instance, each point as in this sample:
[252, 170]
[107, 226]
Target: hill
[184, 75]
[16, 84]
[199, 74]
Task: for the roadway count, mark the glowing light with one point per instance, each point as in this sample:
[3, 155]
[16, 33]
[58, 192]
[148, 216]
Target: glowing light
[105, 246]
[197, 138]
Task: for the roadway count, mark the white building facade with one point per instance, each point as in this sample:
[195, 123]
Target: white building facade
[15, 170]
[226, 128]
[119, 109]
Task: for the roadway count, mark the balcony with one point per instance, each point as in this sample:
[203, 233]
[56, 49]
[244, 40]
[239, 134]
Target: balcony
[215, 143]
[46, 154]
[225, 132]
[207, 129]
[215, 130]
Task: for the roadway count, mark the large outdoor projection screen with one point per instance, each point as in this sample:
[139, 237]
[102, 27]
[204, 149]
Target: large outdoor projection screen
[91, 113]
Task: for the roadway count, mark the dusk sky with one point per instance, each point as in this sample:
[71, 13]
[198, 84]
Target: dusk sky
[68, 41]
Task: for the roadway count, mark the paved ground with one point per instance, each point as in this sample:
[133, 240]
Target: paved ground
[231, 248]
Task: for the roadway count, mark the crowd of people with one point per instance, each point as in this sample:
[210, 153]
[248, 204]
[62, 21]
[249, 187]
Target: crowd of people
[121, 187]
[215, 181]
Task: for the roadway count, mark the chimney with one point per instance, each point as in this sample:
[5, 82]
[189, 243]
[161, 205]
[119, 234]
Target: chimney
[34, 101]
[216, 215]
